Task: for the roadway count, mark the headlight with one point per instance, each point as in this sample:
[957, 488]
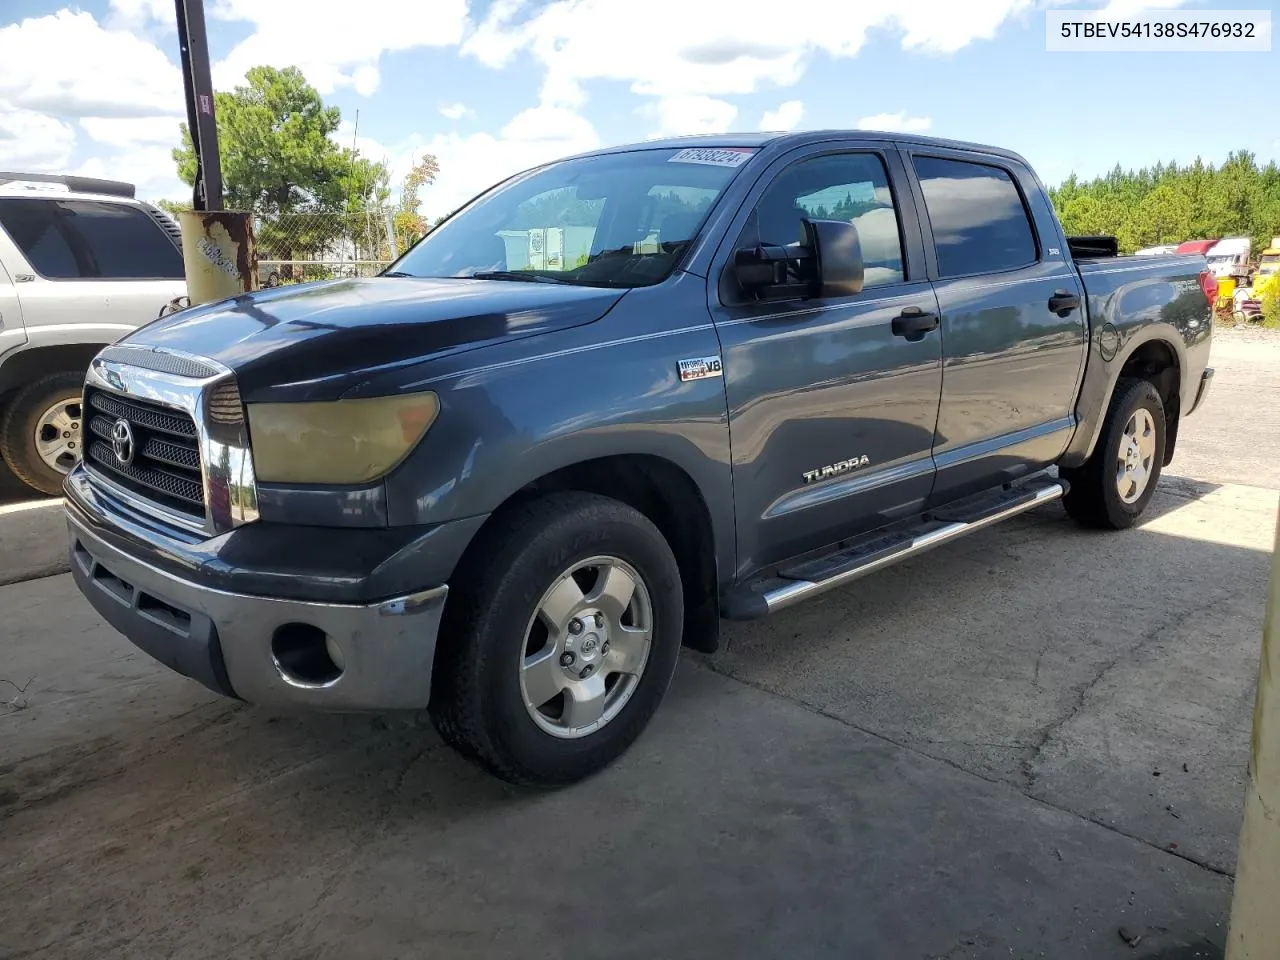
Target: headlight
[337, 442]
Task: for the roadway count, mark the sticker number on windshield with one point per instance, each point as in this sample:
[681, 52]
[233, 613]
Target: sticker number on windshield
[714, 156]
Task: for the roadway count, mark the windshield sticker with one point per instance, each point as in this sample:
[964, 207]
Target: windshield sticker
[714, 156]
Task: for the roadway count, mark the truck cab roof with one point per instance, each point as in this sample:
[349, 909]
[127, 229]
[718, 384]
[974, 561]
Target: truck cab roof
[783, 141]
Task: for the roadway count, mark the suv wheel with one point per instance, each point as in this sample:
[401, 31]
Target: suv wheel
[559, 641]
[1114, 486]
[41, 430]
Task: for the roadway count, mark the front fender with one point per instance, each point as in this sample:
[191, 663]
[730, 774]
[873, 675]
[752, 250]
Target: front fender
[606, 390]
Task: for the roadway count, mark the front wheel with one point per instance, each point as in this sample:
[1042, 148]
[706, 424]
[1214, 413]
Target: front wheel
[560, 639]
[1114, 486]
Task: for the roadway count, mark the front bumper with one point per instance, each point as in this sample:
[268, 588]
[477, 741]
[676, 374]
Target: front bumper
[230, 641]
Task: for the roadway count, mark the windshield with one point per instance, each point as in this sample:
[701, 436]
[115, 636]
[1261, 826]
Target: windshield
[618, 220]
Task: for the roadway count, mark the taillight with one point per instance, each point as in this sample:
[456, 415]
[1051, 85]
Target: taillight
[1209, 284]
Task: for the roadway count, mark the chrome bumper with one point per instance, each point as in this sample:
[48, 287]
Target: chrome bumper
[225, 640]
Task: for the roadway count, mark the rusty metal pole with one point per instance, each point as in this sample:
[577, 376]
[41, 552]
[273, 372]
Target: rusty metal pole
[218, 253]
[217, 244]
[1254, 932]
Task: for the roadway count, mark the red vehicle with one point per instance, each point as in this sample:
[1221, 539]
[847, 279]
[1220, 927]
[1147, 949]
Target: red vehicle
[1200, 247]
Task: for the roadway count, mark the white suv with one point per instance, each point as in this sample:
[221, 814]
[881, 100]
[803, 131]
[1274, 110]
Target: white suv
[82, 263]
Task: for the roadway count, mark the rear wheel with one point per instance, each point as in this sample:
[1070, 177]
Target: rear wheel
[560, 639]
[1114, 486]
[40, 433]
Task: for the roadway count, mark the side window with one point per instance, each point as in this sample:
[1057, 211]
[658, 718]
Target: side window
[122, 241]
[853, 187]
[979, 222]
[33, 225]
[89, 239]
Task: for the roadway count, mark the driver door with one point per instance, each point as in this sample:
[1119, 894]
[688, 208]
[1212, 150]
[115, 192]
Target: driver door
[831, 413]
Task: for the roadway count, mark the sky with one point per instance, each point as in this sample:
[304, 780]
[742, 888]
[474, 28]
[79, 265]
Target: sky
[491, 87]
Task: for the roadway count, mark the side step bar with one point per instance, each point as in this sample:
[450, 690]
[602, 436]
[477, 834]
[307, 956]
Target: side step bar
[793, 584]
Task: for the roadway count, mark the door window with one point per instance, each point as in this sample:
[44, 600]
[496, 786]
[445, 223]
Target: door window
[33, 225]
[853, 187]
[980, 224]
[90, 239]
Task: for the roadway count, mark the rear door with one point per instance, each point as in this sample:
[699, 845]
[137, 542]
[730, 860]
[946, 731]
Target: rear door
[95, 267]
[832, 414]
[1013, 323]
[12, 333]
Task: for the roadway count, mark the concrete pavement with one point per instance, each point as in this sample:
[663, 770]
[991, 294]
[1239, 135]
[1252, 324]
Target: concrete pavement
[1016, 746]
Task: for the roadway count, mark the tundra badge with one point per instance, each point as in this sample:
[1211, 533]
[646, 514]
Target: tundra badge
[836, 469]
[699, 368]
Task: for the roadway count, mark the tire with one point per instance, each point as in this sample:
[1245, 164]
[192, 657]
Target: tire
[1100, 495]
[493, 632]
[21, 420]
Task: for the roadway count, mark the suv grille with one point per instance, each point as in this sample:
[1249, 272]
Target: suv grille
[166, 454]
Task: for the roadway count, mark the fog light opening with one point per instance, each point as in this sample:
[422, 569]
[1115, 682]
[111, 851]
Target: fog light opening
[306, 655]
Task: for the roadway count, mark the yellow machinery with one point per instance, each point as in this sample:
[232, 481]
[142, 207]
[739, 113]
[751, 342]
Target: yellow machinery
[1225, 304]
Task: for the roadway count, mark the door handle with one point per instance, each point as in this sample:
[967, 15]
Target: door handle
[1062, 302]
[913, 323]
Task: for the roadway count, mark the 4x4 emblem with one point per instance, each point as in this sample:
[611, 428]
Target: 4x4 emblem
[122, 442]
[699, 368]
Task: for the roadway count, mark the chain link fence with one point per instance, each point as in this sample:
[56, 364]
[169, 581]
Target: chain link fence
[301, 247]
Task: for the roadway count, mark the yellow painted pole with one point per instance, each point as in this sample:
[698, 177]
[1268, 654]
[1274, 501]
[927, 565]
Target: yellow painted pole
[218, 253]
[1254, 933]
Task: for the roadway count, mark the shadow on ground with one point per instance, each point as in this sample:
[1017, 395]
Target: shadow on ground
[954, 759]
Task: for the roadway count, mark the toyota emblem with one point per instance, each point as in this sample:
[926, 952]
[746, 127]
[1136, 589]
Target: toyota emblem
[122, 442]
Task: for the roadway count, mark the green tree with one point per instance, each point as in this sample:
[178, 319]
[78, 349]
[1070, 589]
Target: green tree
[1166, 203]
[276, 149]
[410, 225]
[1162, 216]
[279, 160]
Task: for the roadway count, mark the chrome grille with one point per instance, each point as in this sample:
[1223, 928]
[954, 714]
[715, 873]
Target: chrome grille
[166, 456]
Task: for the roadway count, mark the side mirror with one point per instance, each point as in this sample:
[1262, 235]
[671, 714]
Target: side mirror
[840, 268]
[827, 262]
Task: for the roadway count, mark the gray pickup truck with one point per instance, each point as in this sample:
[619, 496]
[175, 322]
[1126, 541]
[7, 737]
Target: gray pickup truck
[609, 402]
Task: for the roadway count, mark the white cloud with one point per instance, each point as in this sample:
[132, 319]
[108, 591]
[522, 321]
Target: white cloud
[456, 111]
[128, 131]
[722, 47]
[680, 115]
[141, 13]
[1119, 9]
[70, 66]
[34, 142]
[473, 163]
[896, 122]
[121, 88]
[334, 43]
[150, 169]
[786, 117]
[549, 123]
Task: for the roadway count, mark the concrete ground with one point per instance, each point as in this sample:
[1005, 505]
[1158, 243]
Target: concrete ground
[1029, 744]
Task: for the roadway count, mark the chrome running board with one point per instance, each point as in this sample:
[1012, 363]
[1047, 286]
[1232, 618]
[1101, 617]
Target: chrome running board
[881, 549]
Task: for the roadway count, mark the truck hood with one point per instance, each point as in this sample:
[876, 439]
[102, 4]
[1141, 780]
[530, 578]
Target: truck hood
[315, 341]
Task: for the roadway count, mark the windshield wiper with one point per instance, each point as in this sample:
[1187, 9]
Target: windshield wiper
[398, 273]
[515, 275]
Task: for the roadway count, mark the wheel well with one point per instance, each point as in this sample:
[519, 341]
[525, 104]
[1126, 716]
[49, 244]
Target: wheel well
[1156, 362]
[671, 500]
[23, 367]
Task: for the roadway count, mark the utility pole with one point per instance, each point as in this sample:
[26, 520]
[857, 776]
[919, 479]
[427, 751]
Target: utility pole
[217, 244]
[1254, 932]
[193, 43]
